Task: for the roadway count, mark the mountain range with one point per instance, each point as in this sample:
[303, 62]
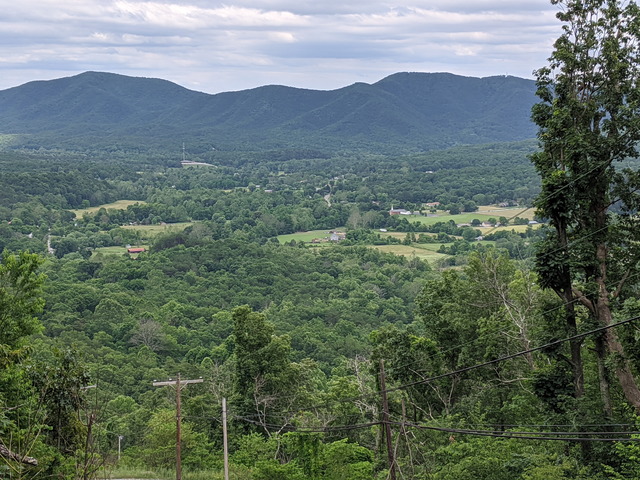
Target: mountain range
[402, 112]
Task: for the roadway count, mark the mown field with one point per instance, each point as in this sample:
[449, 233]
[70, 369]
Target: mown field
[117, 205]
[149, 231]
[307, 237]
[483, 214]
[425, 252]
[117, 250]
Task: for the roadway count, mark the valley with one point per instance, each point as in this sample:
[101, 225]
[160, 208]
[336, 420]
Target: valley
[342, 239]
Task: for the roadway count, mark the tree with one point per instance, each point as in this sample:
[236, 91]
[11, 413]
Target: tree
[589, 121]
[264, 373]
[20, 413]
[20, 297]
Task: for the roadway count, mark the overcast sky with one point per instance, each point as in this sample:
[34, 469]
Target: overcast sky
[214, 46]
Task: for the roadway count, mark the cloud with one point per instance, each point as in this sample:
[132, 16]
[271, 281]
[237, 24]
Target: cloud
[216, 46]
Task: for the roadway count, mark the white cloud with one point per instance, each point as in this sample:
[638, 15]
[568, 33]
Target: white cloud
[215, 46]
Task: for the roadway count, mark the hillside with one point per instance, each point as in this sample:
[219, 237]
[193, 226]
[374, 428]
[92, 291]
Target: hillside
[407, 111]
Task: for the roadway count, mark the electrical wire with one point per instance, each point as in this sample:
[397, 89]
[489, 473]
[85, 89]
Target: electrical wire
[513, 355]
[526, 436]
[541, 436]
[466, 369]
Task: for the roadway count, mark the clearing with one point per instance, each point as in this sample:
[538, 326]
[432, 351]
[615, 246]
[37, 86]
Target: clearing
[118, 205]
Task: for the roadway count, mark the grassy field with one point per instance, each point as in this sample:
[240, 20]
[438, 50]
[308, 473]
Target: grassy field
[306, 237]
[402, 235]
[235, 471]
[483, 213]
[421, 252]
[150, 231]
[115, 250]
[119, 205]
[110, 250]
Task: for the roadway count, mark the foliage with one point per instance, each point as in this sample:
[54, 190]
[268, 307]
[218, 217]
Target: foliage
[121, 113]
[20, 297]
[589, 119]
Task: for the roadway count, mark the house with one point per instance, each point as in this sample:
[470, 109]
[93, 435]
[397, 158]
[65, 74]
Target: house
[136, 250]
[399, 211]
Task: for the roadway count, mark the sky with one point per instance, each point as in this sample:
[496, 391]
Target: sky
[216, 47]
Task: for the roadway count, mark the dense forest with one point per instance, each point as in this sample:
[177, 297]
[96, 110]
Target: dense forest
[462, 311]
[292, 334]
[405, 112]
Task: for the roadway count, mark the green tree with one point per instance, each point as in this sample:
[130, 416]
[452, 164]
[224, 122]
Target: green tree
[589, 121]
[266, 379]
[20, 297]
[160, 443]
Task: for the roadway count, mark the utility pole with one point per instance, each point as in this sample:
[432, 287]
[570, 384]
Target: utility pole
[120, 437]
[386, 423]
[224, 439]
[179, 384]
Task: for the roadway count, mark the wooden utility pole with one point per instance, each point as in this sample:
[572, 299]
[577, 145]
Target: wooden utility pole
[120, 437]
[179, 384]
[386, 423]
[224, 439]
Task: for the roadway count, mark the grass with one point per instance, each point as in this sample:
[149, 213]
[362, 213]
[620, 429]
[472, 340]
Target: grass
[118, 205]
[115, 251]
[306, 237]
[148, 231]
[110, 250]
[412, 251]
[235, 471]
[482, 214]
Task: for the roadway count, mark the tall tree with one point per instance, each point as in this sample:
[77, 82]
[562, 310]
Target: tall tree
[589, 122]
[266, 379]
[20, 297]
[20, 301]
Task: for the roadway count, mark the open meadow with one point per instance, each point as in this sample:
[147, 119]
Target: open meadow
[483, 214]
[149, 231]
[115, 250]
[117, 205]
[306, 237]
[424, 252]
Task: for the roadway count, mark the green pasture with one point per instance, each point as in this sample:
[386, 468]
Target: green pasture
[115, 251]
[402, 235]
[483, 214]
[306, 237]
[118, 205]
[414, 250]
[149, 231]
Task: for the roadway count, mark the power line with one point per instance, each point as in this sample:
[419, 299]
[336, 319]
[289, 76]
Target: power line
[560, 306]
[514, 355]
[544, 436]
[480, 338]
[552, 194]
[468, 368]
[580, 436]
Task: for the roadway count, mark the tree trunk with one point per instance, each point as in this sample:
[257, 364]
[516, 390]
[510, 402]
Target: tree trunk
[566, 293]
[605, 391]
[622, 367]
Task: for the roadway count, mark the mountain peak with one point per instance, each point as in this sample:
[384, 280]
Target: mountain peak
[406, 110]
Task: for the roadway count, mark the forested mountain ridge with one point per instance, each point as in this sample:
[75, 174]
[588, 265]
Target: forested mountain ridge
[407, 111]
